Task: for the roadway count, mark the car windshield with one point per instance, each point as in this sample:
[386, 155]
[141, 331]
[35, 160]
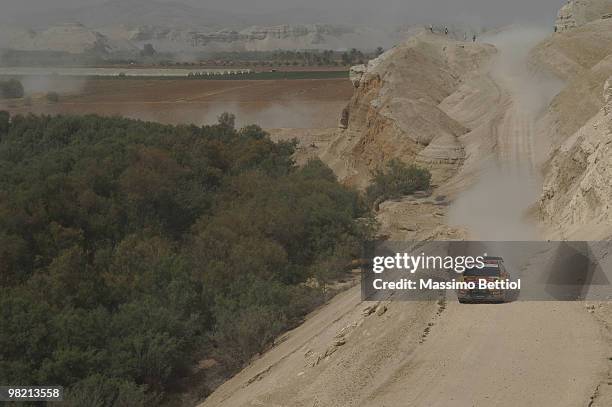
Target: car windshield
[484, 272]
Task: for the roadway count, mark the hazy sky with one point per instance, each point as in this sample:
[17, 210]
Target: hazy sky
[486, 12]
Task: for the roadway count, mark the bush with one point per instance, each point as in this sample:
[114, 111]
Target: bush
[5, 120]
[11, 89]
[53, 97]
[100, 391]
[396, 180]
[245, 332]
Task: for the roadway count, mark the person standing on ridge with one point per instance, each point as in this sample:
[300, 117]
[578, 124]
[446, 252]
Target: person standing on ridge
[446, 30]
[474, 38]
[431, 27]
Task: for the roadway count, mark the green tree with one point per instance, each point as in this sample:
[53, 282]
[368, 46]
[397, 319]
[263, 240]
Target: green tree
[11, 89]
[396, 180]
[227, 121]
[148, 50]
[53, 97]
[100, 391]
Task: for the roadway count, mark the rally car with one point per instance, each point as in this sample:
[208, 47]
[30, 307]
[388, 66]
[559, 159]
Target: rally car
[493, 270]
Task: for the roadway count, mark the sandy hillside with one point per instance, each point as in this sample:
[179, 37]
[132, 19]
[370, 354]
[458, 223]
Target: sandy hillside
[395, 113]
[577, 190]
[581, 57]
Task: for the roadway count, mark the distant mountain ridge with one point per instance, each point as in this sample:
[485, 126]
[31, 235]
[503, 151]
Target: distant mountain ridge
[173, 26]
[75, 37]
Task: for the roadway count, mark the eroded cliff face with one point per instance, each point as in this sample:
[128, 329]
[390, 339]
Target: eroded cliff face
[395, 110]
[577, 197]
[577, 194]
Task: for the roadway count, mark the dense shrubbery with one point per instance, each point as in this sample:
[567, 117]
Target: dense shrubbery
[11, 89]
[396, 180]
[130, 249]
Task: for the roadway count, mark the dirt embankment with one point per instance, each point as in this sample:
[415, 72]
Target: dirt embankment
[576, 203]
[581, 58]
[395, 113]
[577, 197]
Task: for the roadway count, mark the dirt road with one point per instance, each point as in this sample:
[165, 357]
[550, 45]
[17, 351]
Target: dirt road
[446, 354]
[519, 354]
[427, 354]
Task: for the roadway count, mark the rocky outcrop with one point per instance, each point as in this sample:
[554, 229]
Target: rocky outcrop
[566, 19]
[356, 73]
[576, 202]
[443, 156]
[395, 110]
[577, 195]
[576, 13]
[607, 94]
[582, 58]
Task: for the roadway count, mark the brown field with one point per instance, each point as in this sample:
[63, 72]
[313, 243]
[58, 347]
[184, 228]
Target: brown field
[256, 68]
[300, 103]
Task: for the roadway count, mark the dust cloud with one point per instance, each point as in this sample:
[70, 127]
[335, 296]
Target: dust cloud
[497, 206]
[33, 85]
[532, 91]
